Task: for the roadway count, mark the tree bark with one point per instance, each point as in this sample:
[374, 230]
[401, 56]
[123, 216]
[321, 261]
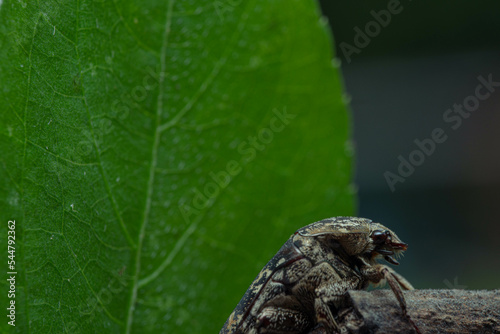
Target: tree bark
[433, 311]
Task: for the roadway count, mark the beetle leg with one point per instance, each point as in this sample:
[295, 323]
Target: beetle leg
[400, 279]
[377, 272]
[332, 290]
[395, 287]
[324, 316]
[397, 281]
[331, 285]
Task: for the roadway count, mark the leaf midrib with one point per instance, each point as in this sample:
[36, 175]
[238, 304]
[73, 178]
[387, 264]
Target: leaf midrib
[152, 167]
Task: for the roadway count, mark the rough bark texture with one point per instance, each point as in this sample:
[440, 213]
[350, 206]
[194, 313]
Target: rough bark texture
[433, 311]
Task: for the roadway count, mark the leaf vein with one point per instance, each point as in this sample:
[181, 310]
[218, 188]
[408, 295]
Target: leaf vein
[152, 167]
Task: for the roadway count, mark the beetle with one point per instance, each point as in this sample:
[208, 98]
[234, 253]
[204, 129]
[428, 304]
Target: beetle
[303, 287]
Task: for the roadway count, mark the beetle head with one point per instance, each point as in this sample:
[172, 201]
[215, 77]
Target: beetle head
[356, 237]
[384, 243]
[351, 234]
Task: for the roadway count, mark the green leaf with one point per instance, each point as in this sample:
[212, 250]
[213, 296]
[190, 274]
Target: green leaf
[155, 155]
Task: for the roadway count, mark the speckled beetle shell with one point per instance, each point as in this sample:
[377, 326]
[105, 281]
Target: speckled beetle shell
[304, 285]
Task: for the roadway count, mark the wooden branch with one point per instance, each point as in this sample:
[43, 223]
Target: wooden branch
[433, 311]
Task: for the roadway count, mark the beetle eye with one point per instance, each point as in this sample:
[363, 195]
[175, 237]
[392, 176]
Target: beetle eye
[380, 236]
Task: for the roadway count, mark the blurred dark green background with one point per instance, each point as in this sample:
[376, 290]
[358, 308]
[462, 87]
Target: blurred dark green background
[425, 60]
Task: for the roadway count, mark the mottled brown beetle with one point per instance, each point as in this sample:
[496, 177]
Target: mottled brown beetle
[303, 287]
